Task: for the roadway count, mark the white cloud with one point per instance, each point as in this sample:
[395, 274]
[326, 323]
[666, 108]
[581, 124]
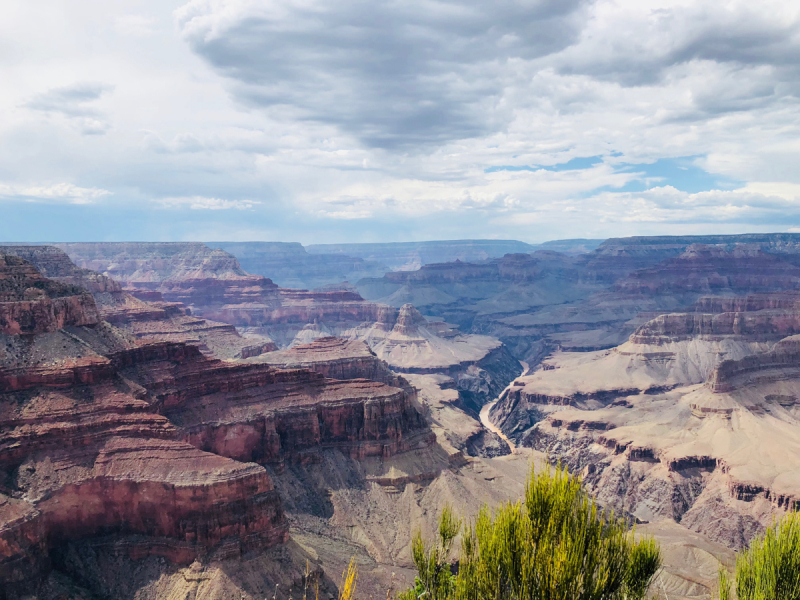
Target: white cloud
[60, 192]
[76, 103]
[136, 25]
[202, 203]
[357, 119]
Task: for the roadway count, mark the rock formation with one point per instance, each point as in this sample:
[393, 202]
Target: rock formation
[691, 420]
[31, 304]
[537, 302]
[151, 448]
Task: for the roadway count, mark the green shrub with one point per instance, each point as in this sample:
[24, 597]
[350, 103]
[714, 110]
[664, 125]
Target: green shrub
[554, 545]
[770, 568]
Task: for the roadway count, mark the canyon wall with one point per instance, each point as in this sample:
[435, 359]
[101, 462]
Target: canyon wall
[155, 446]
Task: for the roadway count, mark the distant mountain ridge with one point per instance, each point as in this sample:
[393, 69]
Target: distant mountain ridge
[289, 264]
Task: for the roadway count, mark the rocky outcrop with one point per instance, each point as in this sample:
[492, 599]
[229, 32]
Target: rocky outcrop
[783, 362]
[142, 313]
[155, 446]
[762, 325]
[335, 358]
[31, 304]
[723, 451]
[538, 302]
[190, 273]
[303, 316]
[85, 453]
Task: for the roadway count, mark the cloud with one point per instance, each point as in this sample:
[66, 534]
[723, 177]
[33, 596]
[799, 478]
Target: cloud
[136, 25]
[60, 192]
[666, 206]
[202, 203]
[393, 75]
[74, 102]
[410, 75]
[428, 118]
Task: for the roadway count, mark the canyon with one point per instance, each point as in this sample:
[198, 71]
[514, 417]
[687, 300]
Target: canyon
[114, 446]
[277, 425]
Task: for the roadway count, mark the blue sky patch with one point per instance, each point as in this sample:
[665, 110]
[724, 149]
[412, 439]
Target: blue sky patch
[681, 173]
[576, 164]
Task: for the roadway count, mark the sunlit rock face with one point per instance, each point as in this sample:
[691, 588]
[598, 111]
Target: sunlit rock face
[693, 419]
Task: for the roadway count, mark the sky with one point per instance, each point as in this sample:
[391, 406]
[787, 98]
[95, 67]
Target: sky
[368, 121]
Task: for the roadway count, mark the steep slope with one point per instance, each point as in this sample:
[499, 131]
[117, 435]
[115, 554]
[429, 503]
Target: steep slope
[113, 451]
[147, 319]
[720, 457]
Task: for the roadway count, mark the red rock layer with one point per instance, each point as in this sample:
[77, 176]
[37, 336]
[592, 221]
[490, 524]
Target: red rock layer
[30, 303]
[190, 273]
[213, 285]
[87, 454]
[147, 317]
[255, 412]
[707, 269]
[335, 358]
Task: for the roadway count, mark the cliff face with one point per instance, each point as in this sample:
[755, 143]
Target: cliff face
[710, 269]
[31, 304]
[143, 314]
[693, 419]
[537, 302]
[84, 453]
[335, 358]
[190, 273]
[101, 437]
[303, 316]
[212, 286]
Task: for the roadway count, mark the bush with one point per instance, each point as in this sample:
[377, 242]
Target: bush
[770, 568]
[556, 545]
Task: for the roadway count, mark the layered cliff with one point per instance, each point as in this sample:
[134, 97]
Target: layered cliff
[336, 358]
[537, 302]
[149, 449]
[190, 273]
[720, 457]
[31, 304]
[143, 314]
[84, 453]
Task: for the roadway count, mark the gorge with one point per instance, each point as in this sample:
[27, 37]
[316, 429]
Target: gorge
[171, 423]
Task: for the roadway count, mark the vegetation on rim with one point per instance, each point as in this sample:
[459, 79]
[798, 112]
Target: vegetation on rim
[770, 568]
[553, 545]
